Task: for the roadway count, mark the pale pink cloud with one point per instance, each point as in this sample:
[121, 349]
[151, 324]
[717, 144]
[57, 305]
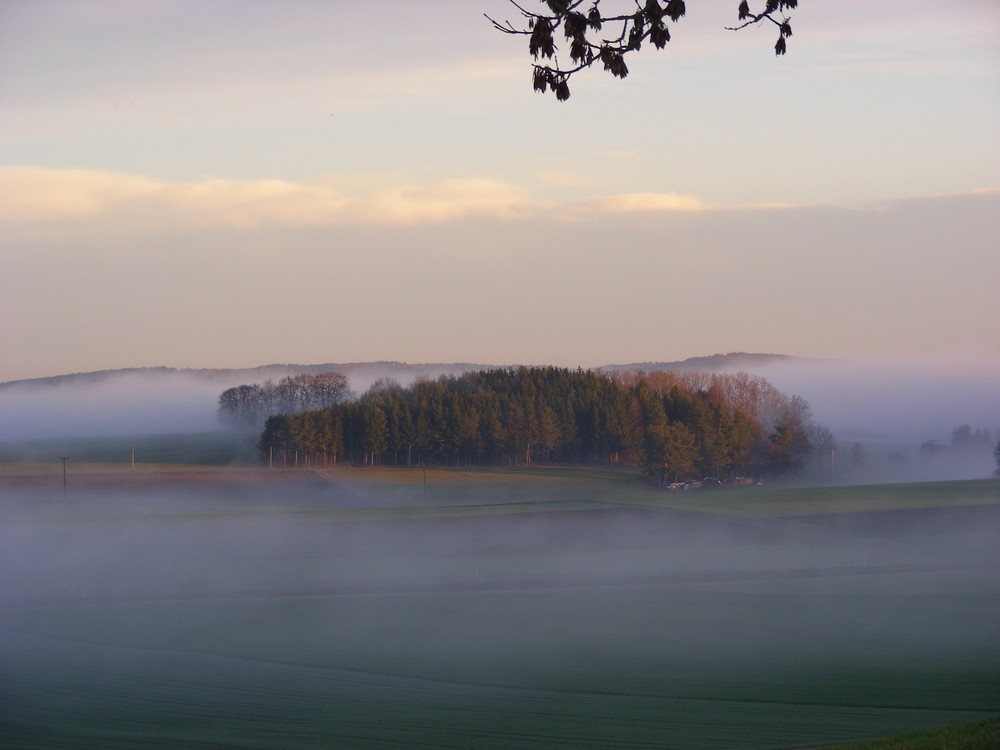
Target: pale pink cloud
[45, 199]
[34, 195]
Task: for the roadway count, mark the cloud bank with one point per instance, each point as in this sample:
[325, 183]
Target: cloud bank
[31, 194]
[38, 195]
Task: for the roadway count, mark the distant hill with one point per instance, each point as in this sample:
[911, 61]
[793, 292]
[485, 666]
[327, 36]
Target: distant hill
[355, 371]
[734, 361]
[362, 374]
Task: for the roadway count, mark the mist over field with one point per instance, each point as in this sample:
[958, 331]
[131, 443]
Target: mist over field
[895, 400]
[117, 405]
[312, 612]
[587, 555]
[892, 407]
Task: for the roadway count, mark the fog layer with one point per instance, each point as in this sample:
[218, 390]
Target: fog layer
[896, 400]
[269, 613]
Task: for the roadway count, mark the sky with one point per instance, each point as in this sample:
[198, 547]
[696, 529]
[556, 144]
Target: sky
[230, 183]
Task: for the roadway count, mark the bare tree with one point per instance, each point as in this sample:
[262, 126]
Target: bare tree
[243, 405]
[329, 388]
[823, 442]
[250, 405]
[291, 394]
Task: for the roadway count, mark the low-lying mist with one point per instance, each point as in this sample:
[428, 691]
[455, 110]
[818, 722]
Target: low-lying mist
[120, 404]
[901, 401]
[231, 542]
[215, 604]
[883, 411]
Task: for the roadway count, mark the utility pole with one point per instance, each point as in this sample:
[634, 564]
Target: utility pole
[64, 459]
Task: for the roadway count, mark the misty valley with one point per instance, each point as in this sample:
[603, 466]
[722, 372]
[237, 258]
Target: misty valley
[231, 520]
[488, 558]
[489, 608]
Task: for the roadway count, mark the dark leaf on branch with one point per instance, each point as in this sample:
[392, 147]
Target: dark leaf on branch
[581, 21]
[540, 80]
[635, 38]
[615, 63]
[676, 9]
[541, 40]
[659, 36]
[653, 11]
[575, 26]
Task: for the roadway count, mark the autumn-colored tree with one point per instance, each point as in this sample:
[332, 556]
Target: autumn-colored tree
[374, 434]
[670, 453]
[520, 416]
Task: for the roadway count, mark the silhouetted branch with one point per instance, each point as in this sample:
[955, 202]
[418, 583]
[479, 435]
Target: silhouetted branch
[587, 46]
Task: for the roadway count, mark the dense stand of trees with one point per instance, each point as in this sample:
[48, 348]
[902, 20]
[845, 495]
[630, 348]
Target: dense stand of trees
[675, 426]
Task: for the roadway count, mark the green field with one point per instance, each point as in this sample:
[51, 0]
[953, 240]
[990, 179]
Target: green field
[217, 448]
[545, 608]
[972, 735]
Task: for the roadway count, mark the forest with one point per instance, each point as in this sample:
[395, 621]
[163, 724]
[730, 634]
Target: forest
[674, 426]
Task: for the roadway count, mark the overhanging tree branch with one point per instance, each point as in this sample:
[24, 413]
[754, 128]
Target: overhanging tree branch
[587, 45]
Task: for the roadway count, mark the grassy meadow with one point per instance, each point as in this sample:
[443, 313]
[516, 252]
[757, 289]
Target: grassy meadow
[218, 448]
[541, 608]
[973, 735]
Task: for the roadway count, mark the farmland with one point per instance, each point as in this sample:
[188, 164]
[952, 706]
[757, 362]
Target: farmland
[549, 608]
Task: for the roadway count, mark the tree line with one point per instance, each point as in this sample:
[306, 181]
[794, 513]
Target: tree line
[249, 405]
[675, 426]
